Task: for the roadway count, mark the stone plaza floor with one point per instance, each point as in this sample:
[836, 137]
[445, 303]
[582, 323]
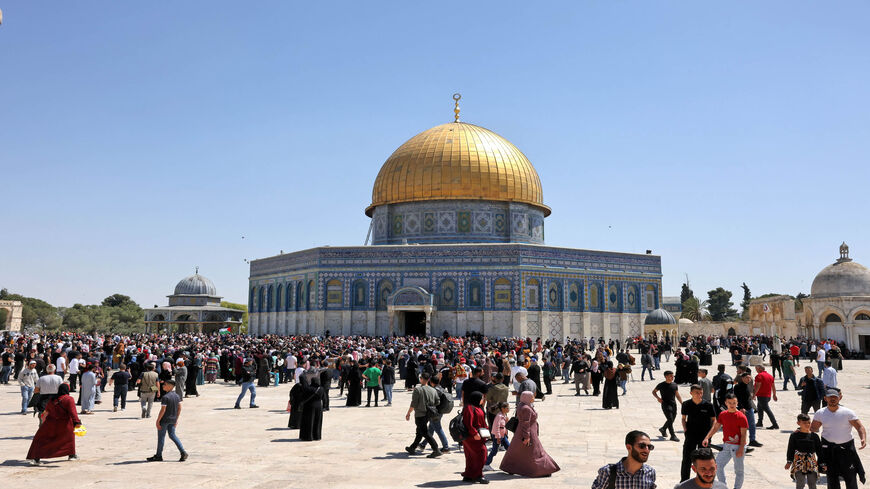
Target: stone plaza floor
[364, 447]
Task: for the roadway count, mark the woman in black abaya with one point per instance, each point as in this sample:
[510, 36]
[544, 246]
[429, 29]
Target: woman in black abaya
[354, 388]
[298, 394]
[411, 374]
[311, 422]
[263, 370]
[610, 397]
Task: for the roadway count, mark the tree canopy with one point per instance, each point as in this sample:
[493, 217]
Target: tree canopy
[686, 293]
[35, 312]
[240, 307]
[720, 304]
[695, 309]
[747, 296]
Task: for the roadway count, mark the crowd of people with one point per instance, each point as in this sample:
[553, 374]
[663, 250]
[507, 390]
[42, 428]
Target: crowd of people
[497, 382]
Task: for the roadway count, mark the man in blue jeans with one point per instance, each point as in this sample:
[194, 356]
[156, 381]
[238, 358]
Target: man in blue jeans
[167, 421]
[248, 375]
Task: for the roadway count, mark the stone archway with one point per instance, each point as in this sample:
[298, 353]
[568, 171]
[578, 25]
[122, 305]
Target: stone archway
[413, 300]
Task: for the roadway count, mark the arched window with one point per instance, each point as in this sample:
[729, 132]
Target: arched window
[475, 294]
[833, 318]
[310, 299]
[502, 293]
[288, 296]
[385, 288]
[533, 294]
[360, 293]
[632, 301]
[251, 297]
[334, 296]
[652, 298]
[614, 298]
[279, 297]
[862, 317]
[300, 296]
[260, 295]
[595, 297]
[447, 294]
[575, 296]
[270, 297]
[554, 296]
[732, 332]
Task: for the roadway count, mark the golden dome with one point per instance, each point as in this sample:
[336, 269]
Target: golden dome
[457, 161]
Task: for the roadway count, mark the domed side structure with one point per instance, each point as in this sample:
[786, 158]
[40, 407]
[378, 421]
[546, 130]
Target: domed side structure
[194, 307]
[838, 307]
[659, 316]
[195, 284]
[843, 278]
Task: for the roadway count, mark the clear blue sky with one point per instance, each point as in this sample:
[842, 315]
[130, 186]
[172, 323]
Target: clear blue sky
[141, 139]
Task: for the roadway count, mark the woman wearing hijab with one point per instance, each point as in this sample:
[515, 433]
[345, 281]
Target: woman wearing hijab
[164, 375]
[354, 388]
[610, 397]
[55, 437]
[411, 373]
[298, 394]
[474, 445]
[263, 375]
[526, 455]
[311, 421]
[211, 368]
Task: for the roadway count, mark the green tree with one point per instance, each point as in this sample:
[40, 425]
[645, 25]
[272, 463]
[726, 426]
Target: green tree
[240, 307]
[747, 296]
[686, 293]
[118, 300]
[719, 304]
[35, 313]
[695, 309]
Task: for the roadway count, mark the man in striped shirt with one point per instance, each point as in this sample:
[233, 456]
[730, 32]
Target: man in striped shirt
[631, 472]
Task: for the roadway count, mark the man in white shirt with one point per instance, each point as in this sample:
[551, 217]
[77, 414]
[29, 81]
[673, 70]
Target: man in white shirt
[838, 445]
[820, 360]
[290, 366]
[61, 368]
[74, 370]
[829, 375]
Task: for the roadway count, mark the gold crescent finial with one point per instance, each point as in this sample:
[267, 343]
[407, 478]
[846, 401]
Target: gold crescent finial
[456, 97]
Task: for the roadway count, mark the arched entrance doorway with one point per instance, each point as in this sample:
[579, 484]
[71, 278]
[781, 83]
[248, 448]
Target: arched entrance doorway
[833, 328]
[411, 311]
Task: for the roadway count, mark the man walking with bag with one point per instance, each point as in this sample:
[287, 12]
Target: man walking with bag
[422, 398]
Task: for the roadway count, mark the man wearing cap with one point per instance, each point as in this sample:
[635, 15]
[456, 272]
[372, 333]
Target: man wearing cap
[838, 446]
[27, 379]
[247, 376]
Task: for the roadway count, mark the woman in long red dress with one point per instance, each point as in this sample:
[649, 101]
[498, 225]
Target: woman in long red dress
[474, 445]
[55, 438]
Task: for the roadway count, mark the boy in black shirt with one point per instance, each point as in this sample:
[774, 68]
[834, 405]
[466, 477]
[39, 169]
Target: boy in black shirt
[698, 417]
[669, 395]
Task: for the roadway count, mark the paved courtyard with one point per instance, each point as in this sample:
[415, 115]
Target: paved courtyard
[364, 447]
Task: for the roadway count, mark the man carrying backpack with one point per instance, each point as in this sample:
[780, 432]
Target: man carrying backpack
[445, 406]
[422, 398]
[632, 471]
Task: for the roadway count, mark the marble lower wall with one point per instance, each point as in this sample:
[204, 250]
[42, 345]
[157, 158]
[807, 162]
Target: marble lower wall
[544, 324]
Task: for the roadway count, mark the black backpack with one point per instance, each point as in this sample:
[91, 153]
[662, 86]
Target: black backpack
[445, 403]
[457, 428]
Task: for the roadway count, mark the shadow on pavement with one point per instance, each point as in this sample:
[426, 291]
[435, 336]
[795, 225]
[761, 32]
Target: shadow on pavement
[131, 462]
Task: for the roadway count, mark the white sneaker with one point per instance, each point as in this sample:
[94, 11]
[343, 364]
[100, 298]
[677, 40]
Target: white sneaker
[487, 467]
